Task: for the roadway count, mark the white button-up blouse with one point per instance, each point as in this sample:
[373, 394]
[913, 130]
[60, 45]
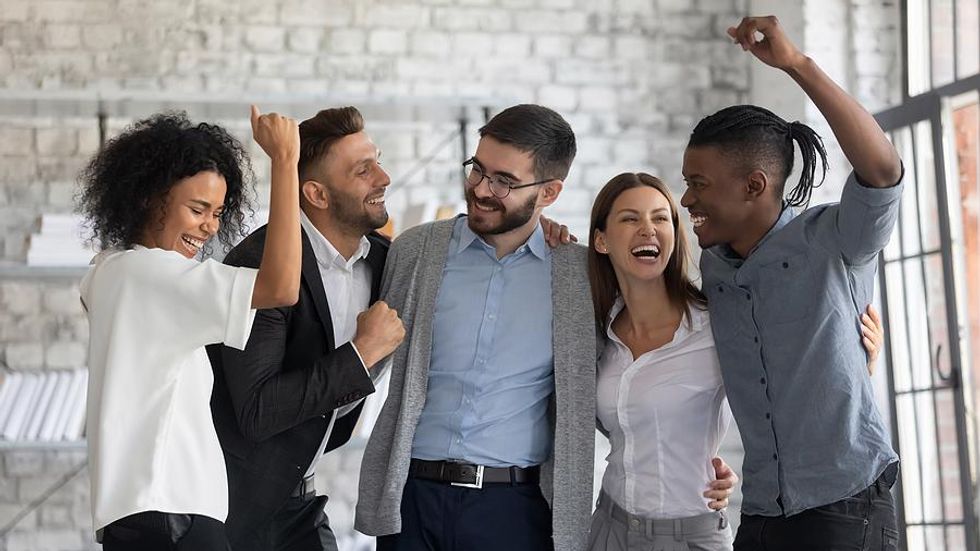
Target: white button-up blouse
[666, 414]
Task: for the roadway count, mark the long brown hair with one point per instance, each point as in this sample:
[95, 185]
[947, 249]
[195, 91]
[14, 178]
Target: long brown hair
[605, 287]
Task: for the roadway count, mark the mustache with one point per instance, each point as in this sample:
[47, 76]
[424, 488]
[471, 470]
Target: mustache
[489, 202]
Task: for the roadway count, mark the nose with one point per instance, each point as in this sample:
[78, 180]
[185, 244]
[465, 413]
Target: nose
[211, 225]
[480, 185]
[647, 228]
[385, 179]
[686, 199]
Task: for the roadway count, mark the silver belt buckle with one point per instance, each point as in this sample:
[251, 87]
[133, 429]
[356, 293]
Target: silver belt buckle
[479, 480]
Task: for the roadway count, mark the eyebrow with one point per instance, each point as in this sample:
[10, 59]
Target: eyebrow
[366, 160]
[500, 173]
[635, 211]
[202, 202]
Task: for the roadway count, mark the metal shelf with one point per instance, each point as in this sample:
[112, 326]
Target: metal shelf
[16, 270]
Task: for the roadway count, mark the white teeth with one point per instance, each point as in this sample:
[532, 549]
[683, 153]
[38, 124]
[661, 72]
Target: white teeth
[192, 243]
[646, 251]
[698, 220]
[483, 208]
[376, 200]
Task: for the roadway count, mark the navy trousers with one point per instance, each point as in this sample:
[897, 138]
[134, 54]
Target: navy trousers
[439, 517]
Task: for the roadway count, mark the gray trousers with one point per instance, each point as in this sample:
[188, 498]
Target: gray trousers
[614, 529]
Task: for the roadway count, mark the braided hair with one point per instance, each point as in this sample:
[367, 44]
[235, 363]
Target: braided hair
[758, 137]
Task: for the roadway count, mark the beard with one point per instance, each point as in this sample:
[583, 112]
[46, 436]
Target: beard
[510, 220]
[353, 213]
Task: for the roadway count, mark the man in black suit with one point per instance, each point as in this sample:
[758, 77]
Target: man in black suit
[295, 392]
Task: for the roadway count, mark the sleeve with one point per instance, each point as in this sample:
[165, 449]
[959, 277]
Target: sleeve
[208, 302]
[866, 217]
[269, 396]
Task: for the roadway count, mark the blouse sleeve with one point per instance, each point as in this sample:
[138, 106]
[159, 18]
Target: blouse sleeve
[208, 302]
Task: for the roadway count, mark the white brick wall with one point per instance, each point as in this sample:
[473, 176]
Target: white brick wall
[632, 76]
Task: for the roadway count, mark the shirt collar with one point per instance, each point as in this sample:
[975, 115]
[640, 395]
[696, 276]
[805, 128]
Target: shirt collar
[535, 243]
[697, 321]
[785, 217]
[326, 254]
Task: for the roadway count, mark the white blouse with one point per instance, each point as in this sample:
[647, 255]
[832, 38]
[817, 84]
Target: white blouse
[151, 439]
[666, 414]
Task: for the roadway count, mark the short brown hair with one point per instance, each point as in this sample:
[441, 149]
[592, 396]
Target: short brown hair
[537, 130]
[319, 133]
[602, 277]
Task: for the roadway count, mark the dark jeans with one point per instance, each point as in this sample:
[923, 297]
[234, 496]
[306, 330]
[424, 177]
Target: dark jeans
[156, 531]
[865, 521]
[440, 517]
[301, 525]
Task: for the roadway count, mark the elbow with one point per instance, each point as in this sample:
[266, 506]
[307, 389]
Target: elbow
[276, 296]
[885, 174]
[287, 297]
[250, 428]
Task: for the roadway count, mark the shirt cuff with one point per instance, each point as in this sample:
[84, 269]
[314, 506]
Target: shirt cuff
[241, 314]
[361, 358]
[873, 196]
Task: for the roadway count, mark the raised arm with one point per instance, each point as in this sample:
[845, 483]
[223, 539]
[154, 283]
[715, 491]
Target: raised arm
[277, 283]
[875, 160]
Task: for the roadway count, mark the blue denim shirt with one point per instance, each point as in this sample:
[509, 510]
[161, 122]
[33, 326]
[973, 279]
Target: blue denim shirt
[491, 374]
[785, 321]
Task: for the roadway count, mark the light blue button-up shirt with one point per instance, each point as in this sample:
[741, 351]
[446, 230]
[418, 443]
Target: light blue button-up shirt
[786, 326]
[492, 369]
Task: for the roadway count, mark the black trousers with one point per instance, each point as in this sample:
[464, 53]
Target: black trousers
[865, 521]
[439, 517]
[156, 531]
[300, 525]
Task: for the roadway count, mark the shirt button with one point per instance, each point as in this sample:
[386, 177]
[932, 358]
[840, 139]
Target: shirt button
[748, 297]
[785, 265]
[756, 339]
[774, 458]
[635, 522]
[768, 416]
[721, 289]
[762, 380]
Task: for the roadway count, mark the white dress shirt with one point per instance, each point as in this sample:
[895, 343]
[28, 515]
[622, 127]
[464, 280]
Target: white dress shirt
[666, 413]
[347, 284]
[151, 439]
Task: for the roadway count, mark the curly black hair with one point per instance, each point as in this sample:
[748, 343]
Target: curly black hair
[118, 188]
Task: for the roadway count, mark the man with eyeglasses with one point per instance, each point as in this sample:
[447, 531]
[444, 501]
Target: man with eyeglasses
[486, 439]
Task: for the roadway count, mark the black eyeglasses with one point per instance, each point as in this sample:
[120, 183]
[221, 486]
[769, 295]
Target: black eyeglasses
[500, 186]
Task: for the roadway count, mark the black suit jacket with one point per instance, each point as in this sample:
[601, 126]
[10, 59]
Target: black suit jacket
[272, 402]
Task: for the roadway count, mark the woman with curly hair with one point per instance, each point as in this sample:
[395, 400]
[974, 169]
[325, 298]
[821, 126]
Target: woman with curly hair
[154, 197]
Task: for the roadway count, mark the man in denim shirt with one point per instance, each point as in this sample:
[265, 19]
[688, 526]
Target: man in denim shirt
[783, 291]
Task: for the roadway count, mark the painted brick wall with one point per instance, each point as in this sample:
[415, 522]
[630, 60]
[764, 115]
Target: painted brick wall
[632, 76]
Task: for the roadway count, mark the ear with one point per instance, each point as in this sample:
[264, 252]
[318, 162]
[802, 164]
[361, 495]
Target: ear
[756, 185]
[600, 242]
[315, 193]
[549, 193]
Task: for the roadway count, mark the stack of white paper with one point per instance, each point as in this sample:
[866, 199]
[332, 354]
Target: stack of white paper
[43, 406]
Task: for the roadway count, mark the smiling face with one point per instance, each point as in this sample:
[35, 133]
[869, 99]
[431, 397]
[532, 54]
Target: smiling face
[716, 197]
[639, 234]
[188, 215]
[355, 183]
[488, 214]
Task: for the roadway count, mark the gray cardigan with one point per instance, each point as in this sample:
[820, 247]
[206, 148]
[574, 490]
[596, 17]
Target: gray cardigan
[410, 285]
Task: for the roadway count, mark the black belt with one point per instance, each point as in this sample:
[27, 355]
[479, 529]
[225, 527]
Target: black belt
[472, 476]
[305, 490]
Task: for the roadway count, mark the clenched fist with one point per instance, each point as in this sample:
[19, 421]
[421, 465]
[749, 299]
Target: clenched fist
[277, 134]
[379, 332]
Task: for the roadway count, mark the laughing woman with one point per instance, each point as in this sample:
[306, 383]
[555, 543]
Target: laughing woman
[154, 197]
[660, 396]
